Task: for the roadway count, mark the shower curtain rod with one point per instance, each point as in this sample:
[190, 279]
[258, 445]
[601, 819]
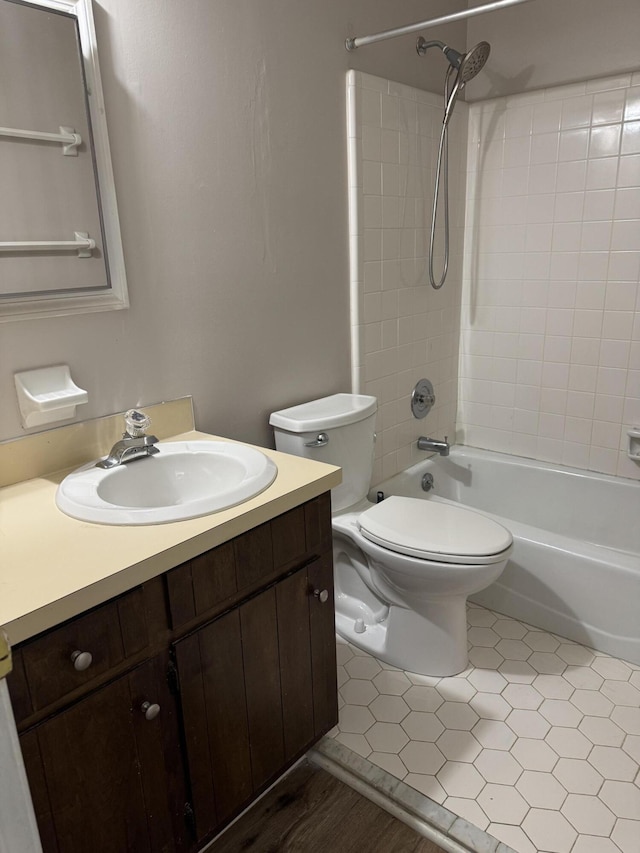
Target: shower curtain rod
[361, 41]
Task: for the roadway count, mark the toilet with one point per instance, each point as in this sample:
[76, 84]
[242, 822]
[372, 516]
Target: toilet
[404, 566]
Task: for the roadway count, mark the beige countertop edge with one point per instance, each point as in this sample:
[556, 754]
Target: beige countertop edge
[71, 566]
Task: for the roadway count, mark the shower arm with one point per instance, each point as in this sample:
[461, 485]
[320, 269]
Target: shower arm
[361, 41]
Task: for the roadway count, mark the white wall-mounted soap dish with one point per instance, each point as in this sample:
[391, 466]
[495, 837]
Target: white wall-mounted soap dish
[47, 395]
[634, 443]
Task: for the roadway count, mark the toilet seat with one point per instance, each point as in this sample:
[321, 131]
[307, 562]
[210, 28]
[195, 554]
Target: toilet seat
[435, 531]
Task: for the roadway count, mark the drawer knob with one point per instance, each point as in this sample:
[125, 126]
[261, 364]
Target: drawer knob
[322, 595]
[150, 710]
[81, 660]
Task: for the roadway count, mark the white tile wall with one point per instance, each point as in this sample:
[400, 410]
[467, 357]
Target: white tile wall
[550, 341]
[402, 329]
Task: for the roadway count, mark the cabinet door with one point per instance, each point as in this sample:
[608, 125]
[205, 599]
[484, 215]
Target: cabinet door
[104, 778]
[257, 688]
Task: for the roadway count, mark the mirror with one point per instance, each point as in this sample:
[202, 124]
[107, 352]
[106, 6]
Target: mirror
[60, 245]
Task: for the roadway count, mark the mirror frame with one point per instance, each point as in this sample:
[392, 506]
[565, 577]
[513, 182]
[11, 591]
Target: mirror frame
[116, 296]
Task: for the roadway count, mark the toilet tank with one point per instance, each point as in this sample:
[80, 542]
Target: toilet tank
[339, 430]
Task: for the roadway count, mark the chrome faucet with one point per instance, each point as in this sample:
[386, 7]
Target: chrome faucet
[134, 444]
[434, 444]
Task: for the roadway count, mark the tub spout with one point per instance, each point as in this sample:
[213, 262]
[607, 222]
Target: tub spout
[434, 444]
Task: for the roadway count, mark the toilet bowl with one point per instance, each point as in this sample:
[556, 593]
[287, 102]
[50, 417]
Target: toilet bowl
[403, 567]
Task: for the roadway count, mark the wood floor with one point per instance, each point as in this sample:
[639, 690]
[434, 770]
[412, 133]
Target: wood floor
[310, 811]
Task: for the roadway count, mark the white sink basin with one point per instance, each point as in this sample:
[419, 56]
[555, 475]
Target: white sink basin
[184, 480]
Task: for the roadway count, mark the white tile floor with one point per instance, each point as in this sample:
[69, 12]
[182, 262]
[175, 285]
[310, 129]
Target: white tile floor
[537, 742]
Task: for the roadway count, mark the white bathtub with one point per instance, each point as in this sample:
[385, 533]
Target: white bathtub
[575, 568]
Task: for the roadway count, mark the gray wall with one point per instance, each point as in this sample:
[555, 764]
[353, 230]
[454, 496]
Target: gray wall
[549, 42]
[227, 129]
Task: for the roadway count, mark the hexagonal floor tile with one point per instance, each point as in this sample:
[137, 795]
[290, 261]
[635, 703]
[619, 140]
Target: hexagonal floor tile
[422, 726]
[513, 650]
[614, 764]
[575, 654]
[561, 712]
[625, 835]
[488, 681]
[423, 758]
[362, 667]
[611, 668]
[456, 689]
[549, 830]
[496, 765]
[623, 798]
[468, 809]
[627, 718]
[392, 682]
[578, 776]
[528, 724]
[355, 719]
[509, 629]
[583, 677]
[547, 662]
[485, 657]
[387, 737]
[421, 698]
[517, 671]
[568, 743]
[458, 746]
[541, 790]
[592, 703]
[482, 637]
[457, 715]
[389, 709]
[513, 836]
[523, 696]
[460, 780]
[502, 804]
[540, 641]
[534, 754]
[494, 734]
[358, 691]
[490, 706]
[601, 731]
[553, 686]
[588, 815]
[621, 693]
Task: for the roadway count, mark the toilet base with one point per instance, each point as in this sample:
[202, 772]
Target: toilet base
[432, 642]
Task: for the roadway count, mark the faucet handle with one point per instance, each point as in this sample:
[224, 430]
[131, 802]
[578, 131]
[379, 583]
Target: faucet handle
[136, 423]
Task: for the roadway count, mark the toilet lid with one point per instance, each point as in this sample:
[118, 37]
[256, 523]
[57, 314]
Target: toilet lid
[432, 530]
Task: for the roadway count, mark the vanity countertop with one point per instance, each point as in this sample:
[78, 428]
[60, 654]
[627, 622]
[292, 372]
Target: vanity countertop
[53, 567]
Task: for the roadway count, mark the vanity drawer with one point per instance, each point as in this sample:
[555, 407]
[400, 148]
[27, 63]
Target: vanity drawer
[84, 651]
[72, 655]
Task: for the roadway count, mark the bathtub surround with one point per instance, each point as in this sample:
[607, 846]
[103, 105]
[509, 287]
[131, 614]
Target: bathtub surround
[550, 341]
[402, 330]
[536, 743]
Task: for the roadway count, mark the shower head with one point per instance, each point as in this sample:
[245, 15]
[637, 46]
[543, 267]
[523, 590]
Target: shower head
[466, 64]
[473, 61]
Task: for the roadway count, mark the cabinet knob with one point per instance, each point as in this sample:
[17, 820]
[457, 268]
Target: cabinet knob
[322, 595]
[81, 660]
[150, 710]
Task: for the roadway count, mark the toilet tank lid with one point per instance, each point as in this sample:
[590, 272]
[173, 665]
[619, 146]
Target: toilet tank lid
[334, 411]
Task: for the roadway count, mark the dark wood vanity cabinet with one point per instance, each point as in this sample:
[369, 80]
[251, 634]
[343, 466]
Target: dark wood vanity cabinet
[106, 773]
[257, 688]
[236, 647]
